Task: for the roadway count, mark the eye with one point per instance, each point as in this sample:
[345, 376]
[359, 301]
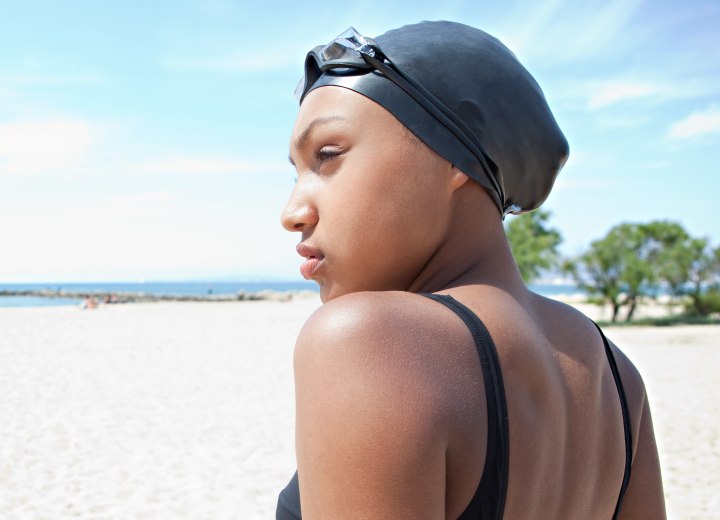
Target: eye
[325, 154]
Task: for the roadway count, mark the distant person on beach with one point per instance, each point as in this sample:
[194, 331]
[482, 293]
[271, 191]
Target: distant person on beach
[432, 384]
[89, 302]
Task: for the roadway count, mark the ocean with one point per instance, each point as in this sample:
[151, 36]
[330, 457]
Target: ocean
[192, 288]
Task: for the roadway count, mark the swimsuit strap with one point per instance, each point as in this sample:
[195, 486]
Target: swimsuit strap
[626, 420]
[489, 499]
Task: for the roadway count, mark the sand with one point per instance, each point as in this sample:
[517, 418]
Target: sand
[185, 410]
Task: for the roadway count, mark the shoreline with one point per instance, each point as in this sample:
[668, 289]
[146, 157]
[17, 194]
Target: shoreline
[659, 308]
[143, 297]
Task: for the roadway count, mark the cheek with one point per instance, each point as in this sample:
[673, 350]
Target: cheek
[410, 199]
[391, 213]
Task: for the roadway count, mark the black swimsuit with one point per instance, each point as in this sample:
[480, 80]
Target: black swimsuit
[488, 503]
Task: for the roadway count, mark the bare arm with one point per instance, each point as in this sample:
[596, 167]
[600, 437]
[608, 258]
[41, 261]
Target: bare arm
[644, 498]
[370, 439]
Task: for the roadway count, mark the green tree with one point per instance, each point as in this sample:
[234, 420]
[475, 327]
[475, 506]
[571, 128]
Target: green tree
[534, 244]
[632, 260]
[687, 265]
[616, 268]
[692, 269]
[704, 291]
[671, 252]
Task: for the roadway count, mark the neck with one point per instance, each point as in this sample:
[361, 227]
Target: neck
[475, 251]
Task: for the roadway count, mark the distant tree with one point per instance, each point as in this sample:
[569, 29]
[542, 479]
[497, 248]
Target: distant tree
[692, 269]
[704, 289]
[534, 244]
[687, 265]
[632, 260]
[671, 252]
[616, 268]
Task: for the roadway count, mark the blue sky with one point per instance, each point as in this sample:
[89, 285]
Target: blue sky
[148, 140]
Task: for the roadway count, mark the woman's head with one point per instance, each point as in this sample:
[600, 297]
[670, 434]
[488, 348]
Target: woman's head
[379, 168]
[372, 202]
[461, 92]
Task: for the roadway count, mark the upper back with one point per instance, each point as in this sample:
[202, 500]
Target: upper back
[567, 450]
[566, 447]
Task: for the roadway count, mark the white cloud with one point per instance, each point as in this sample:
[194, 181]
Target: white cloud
[239, 62]
[696, 124]
[606, 23]
[651, 90]
[54, 79]
[566, 32]
[615, 92]
[656, 165]
[209, 165]
[622, 120]
[40, 146]
[577, 158]
[242, 62]
[127, 237]
[532, 25]
[584, 184]
[141, 198]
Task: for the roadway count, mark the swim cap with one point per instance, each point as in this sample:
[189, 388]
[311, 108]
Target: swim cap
[508, 141]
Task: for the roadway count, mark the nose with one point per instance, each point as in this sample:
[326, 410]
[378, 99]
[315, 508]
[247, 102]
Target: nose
[299, 214]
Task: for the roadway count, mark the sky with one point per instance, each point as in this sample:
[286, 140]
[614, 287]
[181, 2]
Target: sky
[149, 140]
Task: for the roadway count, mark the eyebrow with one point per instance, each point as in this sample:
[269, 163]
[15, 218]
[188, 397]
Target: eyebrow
[300, 141]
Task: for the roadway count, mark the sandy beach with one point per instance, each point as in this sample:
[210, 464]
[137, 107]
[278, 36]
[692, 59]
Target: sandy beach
[185, 410]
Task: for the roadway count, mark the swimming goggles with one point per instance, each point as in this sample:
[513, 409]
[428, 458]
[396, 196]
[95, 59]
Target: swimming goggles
[351, 52]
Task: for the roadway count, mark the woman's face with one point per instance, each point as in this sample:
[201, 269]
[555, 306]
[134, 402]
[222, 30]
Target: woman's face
[371, 201]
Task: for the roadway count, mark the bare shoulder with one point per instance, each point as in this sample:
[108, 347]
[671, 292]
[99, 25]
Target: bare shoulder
[367, 313]
[392, 337]
[372, 408]
[359, 323]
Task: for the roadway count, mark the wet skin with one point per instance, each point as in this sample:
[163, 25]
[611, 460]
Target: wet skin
[391, 419]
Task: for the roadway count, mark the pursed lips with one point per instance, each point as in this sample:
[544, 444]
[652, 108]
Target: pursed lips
[313, 259]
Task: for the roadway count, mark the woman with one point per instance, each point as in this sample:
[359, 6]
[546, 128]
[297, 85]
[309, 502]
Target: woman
[409, 150]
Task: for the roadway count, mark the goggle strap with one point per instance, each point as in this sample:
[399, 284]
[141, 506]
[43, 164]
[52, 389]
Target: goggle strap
[438, 110]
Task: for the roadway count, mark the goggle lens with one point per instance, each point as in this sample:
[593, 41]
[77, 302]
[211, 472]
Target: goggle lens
[344, 52]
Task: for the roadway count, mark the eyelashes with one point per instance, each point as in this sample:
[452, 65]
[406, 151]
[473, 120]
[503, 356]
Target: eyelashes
[326, 154]
[322, 156]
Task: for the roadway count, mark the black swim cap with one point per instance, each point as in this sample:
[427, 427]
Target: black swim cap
[513, 148]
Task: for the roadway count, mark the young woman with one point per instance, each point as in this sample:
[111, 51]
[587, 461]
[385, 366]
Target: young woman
[432, 383]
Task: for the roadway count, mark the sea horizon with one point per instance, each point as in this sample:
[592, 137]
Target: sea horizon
[191, 288]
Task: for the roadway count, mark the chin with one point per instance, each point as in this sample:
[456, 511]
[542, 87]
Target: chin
[325, 292]
[329, 292]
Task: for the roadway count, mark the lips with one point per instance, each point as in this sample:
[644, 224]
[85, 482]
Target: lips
[313, 259]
